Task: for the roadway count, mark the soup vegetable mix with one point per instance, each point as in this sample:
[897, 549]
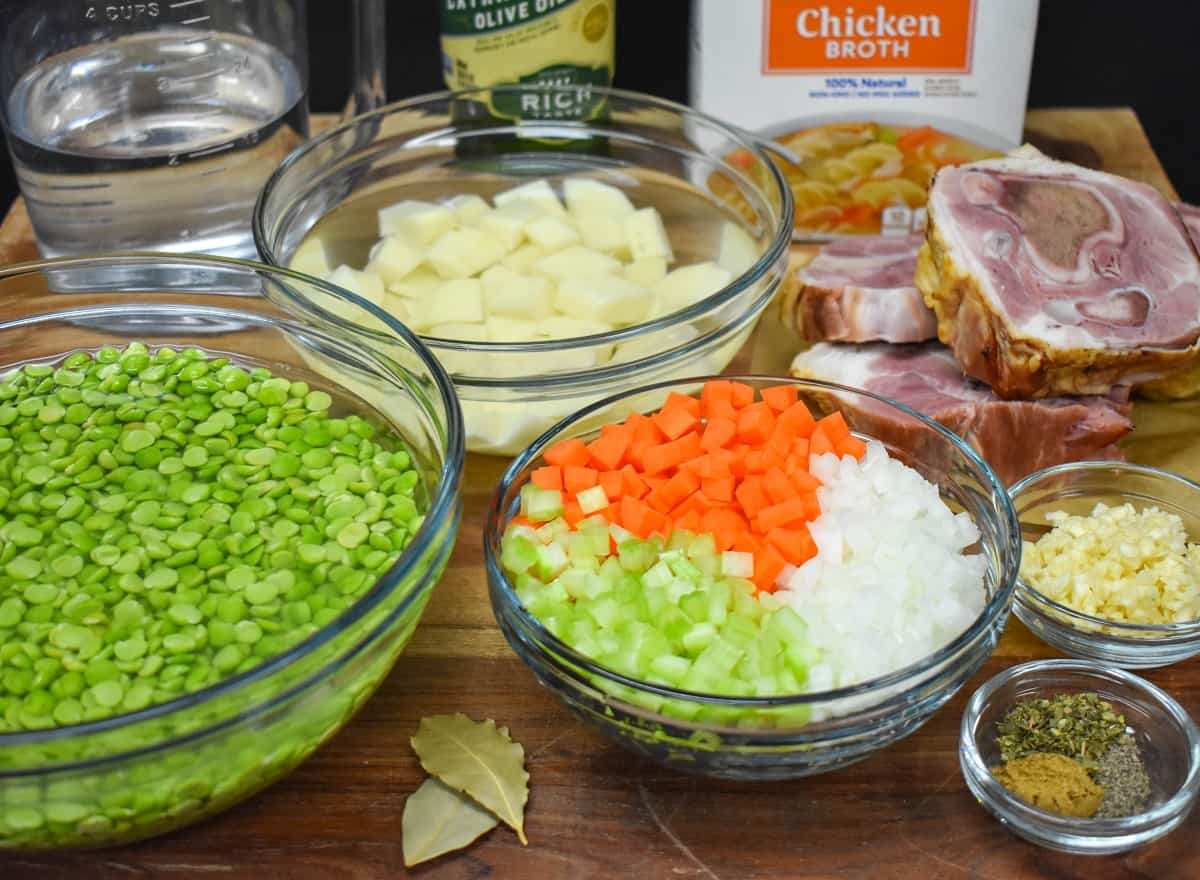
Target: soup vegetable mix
[728, 545]
[171, 519]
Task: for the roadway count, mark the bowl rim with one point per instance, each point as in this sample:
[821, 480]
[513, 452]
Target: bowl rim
[776, 251]
[545, 641]
[996, 795]
[1042, 604]
[442, 503]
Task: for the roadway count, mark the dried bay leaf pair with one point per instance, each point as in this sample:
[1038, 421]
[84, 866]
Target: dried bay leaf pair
[478, 779]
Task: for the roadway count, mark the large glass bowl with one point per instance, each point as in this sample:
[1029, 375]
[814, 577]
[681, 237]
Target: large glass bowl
[661, 153]
[1077, 488]
[172, 764]
[1165, 735]
[772, 739]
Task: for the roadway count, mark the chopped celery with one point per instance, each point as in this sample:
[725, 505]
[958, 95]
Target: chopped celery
[540, 505]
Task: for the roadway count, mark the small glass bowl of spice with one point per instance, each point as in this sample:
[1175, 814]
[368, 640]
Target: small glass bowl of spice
[1110, 569]
[1080, 757]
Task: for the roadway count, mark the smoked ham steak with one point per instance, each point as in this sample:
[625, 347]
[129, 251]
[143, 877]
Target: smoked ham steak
[1190, 215]
[1051, 279]
[861, 289]
[1016, 437]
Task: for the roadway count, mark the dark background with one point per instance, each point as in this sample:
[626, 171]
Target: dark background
[1089, 53]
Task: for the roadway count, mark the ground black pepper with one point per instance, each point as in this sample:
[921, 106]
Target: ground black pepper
[1126, 784]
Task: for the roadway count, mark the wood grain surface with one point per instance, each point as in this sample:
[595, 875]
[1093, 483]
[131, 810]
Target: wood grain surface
[595, 811]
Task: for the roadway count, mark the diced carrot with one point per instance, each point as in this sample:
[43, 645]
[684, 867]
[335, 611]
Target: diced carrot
[834, 427]
[725, 525]
[576, 479]
[812, 507]
[606, 451]
[819, 444]
[680, 486]
[779, 397]
[568, 452]
[657, 459]
[697, 502]
[689, 521]
[778, 486]
[716, 400]
[658, 501]
[782, 514]
[754, 462]
[747, 542]
[634, 485]
[803, 481]
[612, 513]
[795, 545]
[675, 420]
[798, 419]
[718, 488]
[773, 458]
[572, 512]
[683, 401]
[752, 496]
[852, 446]
[548, 477]
[613, 483]
[687, 447]
[768, 565]
[755, 423]
[635, 516]
[617, 428]
[743, 395]
[800, 446]
[718, 432]
[709, 466]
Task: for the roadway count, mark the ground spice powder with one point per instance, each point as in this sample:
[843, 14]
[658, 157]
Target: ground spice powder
[1052, 782]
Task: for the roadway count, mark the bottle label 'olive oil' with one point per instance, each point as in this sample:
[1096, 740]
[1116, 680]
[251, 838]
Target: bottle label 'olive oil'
[551, 42]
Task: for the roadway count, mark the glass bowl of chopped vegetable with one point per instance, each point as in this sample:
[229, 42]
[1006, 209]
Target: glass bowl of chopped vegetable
[1111, 568]
[753, 578]
[1111, 761]
[211, 552]
[548, 259]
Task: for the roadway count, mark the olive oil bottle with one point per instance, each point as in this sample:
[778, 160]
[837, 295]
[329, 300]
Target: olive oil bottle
[564, 45]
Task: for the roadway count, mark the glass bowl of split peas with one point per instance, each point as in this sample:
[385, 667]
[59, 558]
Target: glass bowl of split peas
[751, 578]
[213, 546]
[550, 258]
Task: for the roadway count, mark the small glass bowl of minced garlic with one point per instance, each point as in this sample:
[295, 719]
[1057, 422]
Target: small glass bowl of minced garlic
[1080, 757]
[1110, 568]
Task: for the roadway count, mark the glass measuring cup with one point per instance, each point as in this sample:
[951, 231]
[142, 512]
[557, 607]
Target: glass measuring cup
[152, 125]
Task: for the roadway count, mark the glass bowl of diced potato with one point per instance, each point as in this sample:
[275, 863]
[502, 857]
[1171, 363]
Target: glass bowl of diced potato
[547, 262]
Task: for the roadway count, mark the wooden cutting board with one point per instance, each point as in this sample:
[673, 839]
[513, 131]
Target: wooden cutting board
[595, 811]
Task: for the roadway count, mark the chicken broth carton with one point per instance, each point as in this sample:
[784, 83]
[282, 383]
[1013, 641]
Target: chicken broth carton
[869, 98]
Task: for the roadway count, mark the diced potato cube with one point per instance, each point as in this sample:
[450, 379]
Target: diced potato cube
[565, 327]
[496, 275]
[400, 308]
[603, 232]
[647, 271]
[509, 222]
[576, 262]
[737, 251]
[459, 301]
[689, 284]
[502, 329]
[423, 221]
[395, 257]
[468, 209]
[523, 296]
[586, 195]
[539, 192]
[522, 259]
[551, 234]
[311, 258]
[607, 298]
[417, 284]
[366, 285]
[461, 253]
[647, 236]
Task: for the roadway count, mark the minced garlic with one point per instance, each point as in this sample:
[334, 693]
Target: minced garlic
[1119, 563]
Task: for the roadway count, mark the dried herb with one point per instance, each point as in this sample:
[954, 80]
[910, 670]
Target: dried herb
[1126, 783]
[438, 819]
[1081, 726]
[479, 759]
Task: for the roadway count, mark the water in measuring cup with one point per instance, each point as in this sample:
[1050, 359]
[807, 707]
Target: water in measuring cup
[154, 141]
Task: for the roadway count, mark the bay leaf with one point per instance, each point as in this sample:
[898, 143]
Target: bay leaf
[477, 758]
[437, 820]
